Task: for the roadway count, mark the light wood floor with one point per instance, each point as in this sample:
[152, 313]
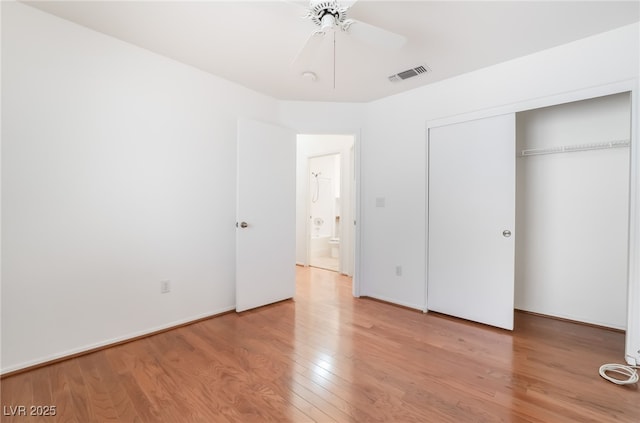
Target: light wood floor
[329, 357]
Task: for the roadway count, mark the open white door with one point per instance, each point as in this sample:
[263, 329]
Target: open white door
[471, 220]
[266, 195]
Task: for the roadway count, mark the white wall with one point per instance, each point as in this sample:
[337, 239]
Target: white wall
[118, 170]
[394, 156]
[322, 118]
[572, 212]
[317, 145]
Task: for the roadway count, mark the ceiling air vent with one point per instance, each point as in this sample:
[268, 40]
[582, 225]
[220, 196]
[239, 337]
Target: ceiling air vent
[410, 73]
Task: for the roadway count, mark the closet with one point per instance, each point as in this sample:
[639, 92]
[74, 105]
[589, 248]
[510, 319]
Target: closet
[572, 210]
[537, 221]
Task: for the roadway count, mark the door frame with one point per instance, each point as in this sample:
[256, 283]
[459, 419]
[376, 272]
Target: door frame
[356, 194]
[632, 338]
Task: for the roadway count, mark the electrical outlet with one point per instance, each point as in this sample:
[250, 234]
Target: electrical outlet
[165, 286]
[398, 270]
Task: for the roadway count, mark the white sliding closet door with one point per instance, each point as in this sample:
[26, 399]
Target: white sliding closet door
[472, 219]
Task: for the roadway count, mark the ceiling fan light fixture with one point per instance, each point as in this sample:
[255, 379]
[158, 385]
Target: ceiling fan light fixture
[327, 22]
[330, 16]
[327, 14]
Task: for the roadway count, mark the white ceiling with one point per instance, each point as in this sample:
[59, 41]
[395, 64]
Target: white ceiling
[254, 43]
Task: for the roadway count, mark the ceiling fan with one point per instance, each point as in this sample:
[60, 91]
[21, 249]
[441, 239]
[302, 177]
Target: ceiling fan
[329, 17]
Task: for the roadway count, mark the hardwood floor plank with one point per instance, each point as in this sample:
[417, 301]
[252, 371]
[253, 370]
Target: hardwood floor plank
[79, 393]
[278, 370]
[61, 396]
[125, 363]
[154, 376]
[16, 394]
[312, 412]
[318, 400]
[190, 371]
[259, 375]
[101, 407]
[42, 398]
[123, 407]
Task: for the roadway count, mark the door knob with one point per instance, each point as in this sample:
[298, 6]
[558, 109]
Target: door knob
[243, 224]
[506, 233]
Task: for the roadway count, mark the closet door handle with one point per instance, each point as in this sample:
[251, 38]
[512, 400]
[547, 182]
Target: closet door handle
[506, 233]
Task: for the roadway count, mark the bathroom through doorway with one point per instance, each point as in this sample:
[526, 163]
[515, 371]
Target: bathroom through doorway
[325, 232]
[325, 211]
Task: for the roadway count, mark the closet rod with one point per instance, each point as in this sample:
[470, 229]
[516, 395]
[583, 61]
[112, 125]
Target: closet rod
[572, 148]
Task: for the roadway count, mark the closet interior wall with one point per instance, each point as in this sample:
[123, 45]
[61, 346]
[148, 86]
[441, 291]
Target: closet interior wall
[572, 211]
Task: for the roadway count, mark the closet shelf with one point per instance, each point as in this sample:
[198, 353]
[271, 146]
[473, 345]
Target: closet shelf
[572, 148]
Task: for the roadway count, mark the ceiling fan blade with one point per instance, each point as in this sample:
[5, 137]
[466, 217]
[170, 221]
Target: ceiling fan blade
[305, 56]
[376, 35]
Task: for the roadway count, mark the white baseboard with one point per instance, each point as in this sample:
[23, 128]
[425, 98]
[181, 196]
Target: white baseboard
[419, 307]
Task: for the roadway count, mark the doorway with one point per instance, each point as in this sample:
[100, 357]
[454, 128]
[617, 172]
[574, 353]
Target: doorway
[325, 230]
